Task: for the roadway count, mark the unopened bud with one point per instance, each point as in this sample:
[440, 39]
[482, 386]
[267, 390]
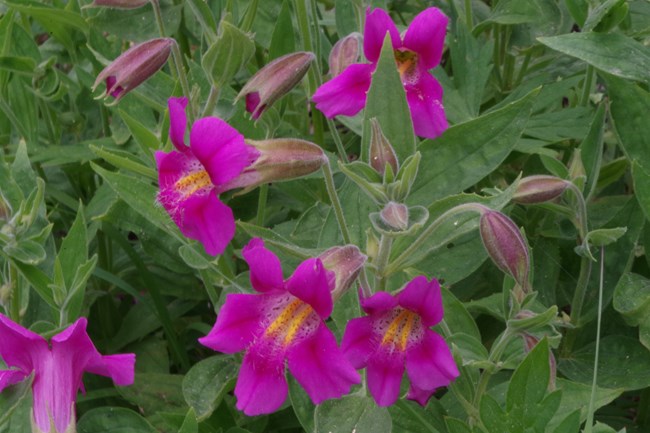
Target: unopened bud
[539, 189]
[505, 245]
[346, 262]
[274, 80]
[381, 152]
[120, 4]
[133, 67]
[279, 159]
[395, 215]
[344, 53]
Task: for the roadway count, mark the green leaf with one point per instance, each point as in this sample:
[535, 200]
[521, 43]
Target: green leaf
[345, 15]
[529, 383]
[231, 51]
[570, 424]
[387, 103]
[623, 364]
[591, 150]
[352, 414]
[125, 160]
[145, 138]
[469, 151]
[112, 420]
[602, 237]
[642, 187]
[575, 397]
[190, 424]
[137, 24]
[149, 387]
[283, 40]
[632, 298]
[605, 16]
[204, 16]
[18, 65]
[413, 418]
[12, 396]
[604, 51]
[206, 383]
[25, 251]
[74, 248]
[457, 426]
[39, 281]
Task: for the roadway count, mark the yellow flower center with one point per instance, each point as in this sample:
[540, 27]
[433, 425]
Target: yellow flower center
[192, 182]
[289, 322]
[407, 62]
[399, 329]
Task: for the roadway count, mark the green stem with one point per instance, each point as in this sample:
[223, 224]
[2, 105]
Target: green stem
[336, 203]
[495, 354]
[213, 98]
[586, 89]
[261, 204]
[522, 69]
[179, 72]
[15, 293]
[468, 15]
[417, 244]
[592, 399]
[581, 218]
[576, 303]
[381, 261]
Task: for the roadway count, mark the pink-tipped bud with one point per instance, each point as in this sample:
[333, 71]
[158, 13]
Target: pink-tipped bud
[278, 159]
[274, 80]
[381, 152]
[344, 53]
[505, 245]
[346, 262]
[134, 66]
[395, 215]
[120, 4]
[539, 189]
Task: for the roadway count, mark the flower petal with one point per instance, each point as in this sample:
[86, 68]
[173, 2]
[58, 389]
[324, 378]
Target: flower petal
[120, 367]
[177, 122]
[312, 283]
[378, 22]
[429, 364]
[345, 94]
[425, 102]
[10, 377]
[206, 219]
[319, 366]
[20, 347]
[261, 386]
[378, 303]
[426, 36]
[172, 167]
[424, 298]
[220, 148]
[238, 322]
[358, 341]
[419, 395]
[385, 370]
[265, 267]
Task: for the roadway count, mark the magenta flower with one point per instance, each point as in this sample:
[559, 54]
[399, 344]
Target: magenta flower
[285, 320]
[58, 368]
[396, 336]
[419, 50]
[191, 178]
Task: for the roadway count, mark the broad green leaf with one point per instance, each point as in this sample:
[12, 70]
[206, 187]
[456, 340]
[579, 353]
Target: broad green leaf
[302, 405]
[276, 240]
[591, 150]
[112, 420]
[613, 53]
[413, 418]
[457, 426]
[597, 14]
[469, 151]
[12, 396]
[18, 65]
[125, 160]
[642, 187]
[147, 389]
[529, 382]
[74, 248]
[492, 415]
[143, 135]
[632, 298]
[348, 414]
[137, 24]
[26, 251]
[204, 16]
[387, 103]
[206, 383]
[230, 52]
[623, 364]
[39, 281]
[345, 14]
[190, 424]
[602, 237]
[283, 40]
[570, 424]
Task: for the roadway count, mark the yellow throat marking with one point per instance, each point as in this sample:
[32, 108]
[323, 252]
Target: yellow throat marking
[289, 321]
[192, 182]
[399, 329]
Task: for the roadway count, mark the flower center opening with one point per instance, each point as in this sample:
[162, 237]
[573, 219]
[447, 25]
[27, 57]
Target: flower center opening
[193, 182]
[407, 62]
[399, 330]
[291, 323]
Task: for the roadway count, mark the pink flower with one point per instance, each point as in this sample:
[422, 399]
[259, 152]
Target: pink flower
[419, 50]
[58, 368]
[285, 320]
[396, 336]
[191, 178]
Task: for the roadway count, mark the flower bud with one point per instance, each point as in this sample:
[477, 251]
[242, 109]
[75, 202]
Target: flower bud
[274, 80]
[344, 53]
[381, 152]
[395, 215]
[133, 67]
[120, 4]
[505, 245]
[346, 262]
[278, 159]
[539, 189]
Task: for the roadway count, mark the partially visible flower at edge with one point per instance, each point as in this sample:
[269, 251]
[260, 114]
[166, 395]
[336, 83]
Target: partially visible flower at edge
[395, 336]
[416, 53]
[58, 369]
[274, 80]
[133, 67]
[285, 320]
[191, 178]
